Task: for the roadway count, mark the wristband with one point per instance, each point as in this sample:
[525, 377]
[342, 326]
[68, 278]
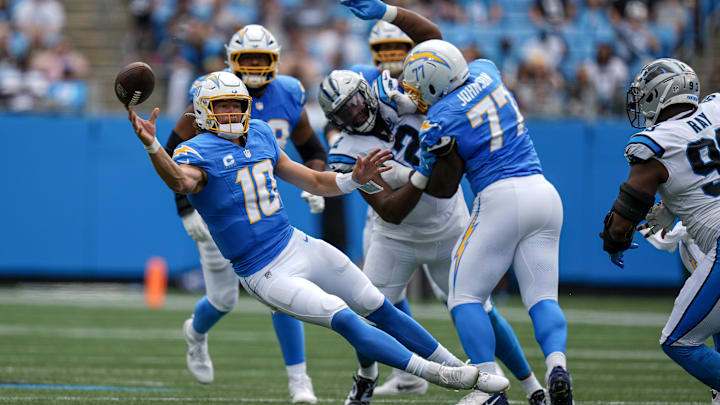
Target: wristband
[153, 147]
[390, 14]
[419, 180]
[345, 183]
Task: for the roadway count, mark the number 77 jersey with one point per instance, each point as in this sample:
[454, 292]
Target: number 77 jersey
[483, 117]
[689, 148]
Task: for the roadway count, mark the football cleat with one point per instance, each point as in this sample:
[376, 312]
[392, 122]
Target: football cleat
[362, 391]
[478, 397]
[715, 397]
[538, 397]
[301, 389]
[198, 359]
[560, 387]
[402, 383]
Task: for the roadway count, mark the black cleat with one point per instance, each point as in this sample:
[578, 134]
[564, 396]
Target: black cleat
[538, 397]
[362, 391]
[560, 387]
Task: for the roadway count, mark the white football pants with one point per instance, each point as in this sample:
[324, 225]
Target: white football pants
[221, 282]
[311, 280]
[514, 221]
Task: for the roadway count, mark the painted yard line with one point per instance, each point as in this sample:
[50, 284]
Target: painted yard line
[84, 387]
[327, 400]
[128, 333]
[133, 298]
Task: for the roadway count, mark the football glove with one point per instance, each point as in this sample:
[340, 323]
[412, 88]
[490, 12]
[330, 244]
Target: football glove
[366, 9]
[659, 218]
[316, 202]
[196, 227]
[617, 257]
[404, 104]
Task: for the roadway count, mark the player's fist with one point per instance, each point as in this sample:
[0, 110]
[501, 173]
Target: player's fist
[316, 202]
[366, 9]
[196, 227]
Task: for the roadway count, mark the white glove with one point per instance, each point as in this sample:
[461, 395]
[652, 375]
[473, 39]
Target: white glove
[669, 241]
[196, 227]
[404, 103]
[316, 202]
[659, 218]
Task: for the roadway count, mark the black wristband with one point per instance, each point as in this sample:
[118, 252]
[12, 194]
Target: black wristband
[183, 205]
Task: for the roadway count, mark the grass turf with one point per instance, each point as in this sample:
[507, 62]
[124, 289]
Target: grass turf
[79, 344]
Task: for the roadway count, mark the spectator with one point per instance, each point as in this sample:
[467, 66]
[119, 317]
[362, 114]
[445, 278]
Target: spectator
[605, 79]
[40, 20]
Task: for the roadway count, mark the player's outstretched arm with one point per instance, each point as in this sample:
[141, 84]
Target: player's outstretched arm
[417, 27]
[393, 205]
[636, 197]
[330, 183]
[184, 179]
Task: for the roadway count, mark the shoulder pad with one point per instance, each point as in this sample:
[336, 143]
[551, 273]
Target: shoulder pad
[642, 146]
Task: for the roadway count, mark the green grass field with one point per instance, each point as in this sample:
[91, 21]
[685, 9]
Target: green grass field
[88, 344]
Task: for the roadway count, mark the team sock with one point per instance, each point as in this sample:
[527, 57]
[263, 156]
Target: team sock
[507, 347]
[290, 334]
[371, 342]
[403, 328]
[700, 361]
[475, 332]
[417, 365]
[206, 316]
[443, 356]
[550, 326]
[297, 369]
[370, 372]
[530, 384]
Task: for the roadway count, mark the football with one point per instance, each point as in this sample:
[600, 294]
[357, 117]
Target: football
[134, 83]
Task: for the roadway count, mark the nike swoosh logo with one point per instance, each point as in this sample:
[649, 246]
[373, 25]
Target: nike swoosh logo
[306, 238]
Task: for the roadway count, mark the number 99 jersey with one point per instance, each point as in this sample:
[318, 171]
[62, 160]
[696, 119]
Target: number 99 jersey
[487, 125]
[280, 106]
[240, 202]
[689, 148]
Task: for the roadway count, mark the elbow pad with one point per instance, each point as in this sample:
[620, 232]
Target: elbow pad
[632, 203]
[312, 149]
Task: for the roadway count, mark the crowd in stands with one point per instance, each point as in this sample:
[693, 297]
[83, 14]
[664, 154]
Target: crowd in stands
[39, 69]
[553, 53]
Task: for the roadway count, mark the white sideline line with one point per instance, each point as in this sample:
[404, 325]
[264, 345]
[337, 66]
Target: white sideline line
[327, 400]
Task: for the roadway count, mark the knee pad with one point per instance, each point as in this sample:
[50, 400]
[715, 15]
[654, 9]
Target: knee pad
[225, 298]
[210, 257]
[368, 299]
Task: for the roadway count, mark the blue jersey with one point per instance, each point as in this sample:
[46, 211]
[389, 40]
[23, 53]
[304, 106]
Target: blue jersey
[489, 130]
[369, 72]
[240, 202]
[280, 105]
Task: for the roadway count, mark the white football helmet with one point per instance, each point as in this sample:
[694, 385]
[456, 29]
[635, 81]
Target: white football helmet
[348, 101]
[253, 38]
[219, 86]
[385, 33]
[432, 70]
[659, 84]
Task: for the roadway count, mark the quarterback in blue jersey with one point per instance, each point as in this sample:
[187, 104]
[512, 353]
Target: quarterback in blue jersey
[229, 172]
[252, 54]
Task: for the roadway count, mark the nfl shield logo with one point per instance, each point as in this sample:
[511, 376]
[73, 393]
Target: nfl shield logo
[247, 153]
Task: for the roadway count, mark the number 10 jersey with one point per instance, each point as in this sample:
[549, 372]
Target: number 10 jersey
[688, 147]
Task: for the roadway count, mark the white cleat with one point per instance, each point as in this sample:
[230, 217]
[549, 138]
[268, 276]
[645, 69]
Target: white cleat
[301, 389]
[198, 359]
[402, 383]
[454, 378]
[481, 398]
[491, 383]
[715, 397]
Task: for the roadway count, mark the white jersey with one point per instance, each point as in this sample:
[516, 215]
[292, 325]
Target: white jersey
[432, 218]
[688, 148]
